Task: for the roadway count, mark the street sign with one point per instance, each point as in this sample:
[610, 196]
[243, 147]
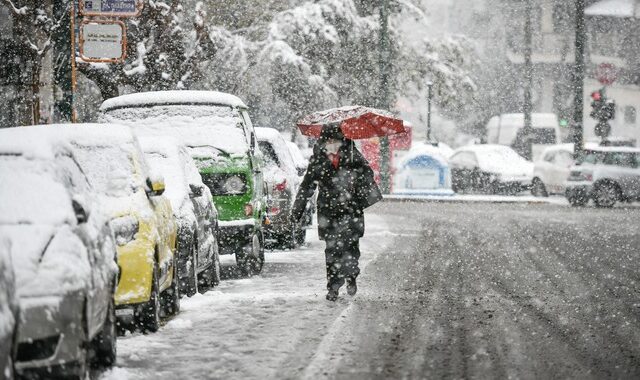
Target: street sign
[606, 73]
[103, 41]
[113, 8]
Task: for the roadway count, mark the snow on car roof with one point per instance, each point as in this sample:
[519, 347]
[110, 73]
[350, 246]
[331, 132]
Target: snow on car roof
[267, 134]
[172, 97]
[30, 142]
[498, 158]
[45, 141]
[612, 8]
[625, 149]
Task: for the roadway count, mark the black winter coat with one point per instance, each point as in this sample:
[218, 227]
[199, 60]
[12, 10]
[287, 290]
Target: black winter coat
[343, 193]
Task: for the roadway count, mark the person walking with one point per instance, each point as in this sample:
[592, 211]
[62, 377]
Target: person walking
[346, 187]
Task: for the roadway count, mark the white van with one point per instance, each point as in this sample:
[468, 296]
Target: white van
[503, 130]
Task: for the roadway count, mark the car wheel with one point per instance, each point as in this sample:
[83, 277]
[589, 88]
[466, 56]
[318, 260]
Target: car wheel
[189, 277]
[170, 298]
[606, 195]
[210, 277]
[538, 189]
[149, 315]
[251, 260]
[217, 272]
[103, 346]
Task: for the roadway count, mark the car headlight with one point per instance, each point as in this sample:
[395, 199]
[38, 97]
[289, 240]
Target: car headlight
[234, 185]
[125, 229]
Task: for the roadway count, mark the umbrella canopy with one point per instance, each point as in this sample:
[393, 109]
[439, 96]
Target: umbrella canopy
[356, 122]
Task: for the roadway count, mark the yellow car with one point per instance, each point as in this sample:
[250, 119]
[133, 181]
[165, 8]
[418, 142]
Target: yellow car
[143, 222]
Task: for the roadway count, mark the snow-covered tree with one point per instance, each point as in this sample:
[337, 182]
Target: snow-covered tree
[33, 27]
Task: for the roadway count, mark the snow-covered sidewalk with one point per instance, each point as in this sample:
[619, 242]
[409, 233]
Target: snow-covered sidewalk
[259, 327]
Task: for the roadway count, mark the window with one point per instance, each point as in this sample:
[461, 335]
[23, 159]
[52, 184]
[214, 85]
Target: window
[630, 115]
[564, 159]
[464, 160]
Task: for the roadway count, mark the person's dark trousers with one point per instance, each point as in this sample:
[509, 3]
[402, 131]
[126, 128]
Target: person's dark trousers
[342, 255]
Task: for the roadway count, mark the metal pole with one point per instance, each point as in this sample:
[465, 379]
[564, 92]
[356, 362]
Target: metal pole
[429, 95]
[74, 118]
[63, 94]
[384, 92]
[578, 82]
[528, 77]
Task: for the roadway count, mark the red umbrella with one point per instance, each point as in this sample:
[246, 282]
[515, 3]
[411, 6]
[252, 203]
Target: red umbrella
[356, 122]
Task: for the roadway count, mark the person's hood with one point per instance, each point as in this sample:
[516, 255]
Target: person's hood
[47, 259]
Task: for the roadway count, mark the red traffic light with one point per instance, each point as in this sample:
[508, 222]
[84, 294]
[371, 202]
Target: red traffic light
[596, 96]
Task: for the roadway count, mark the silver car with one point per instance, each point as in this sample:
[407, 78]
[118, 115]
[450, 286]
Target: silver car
[9, 311]
[607, 175]
[63, 259]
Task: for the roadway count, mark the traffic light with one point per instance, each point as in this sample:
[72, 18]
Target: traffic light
[597, 102]
[602, 110]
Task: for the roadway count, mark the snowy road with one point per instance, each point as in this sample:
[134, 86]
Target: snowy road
[448, 290]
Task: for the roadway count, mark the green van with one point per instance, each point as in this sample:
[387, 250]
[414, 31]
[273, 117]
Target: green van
[218, 132]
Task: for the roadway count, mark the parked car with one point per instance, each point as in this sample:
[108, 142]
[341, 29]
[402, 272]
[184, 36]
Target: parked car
[489, 168]
[551, 170]
[9, 311]
[282, 181]
[504, 130]
[196, 217]
[607, 175]
[301, 166]
[63, 255]
[218, 132]
[142, 220]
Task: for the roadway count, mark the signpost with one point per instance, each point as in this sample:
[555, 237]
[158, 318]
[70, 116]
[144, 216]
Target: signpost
[103, 41]
[111, 8]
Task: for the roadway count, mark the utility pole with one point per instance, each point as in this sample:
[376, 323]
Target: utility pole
[383, 98]
[528, 84]
[61, 37]
[429, 96]
[578, 82]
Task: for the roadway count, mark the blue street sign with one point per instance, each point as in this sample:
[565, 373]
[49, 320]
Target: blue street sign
[110, 7]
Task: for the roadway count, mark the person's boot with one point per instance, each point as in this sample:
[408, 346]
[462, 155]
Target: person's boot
[332, 295]
[352, 288]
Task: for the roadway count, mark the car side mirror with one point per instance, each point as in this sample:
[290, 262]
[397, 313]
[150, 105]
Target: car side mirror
[82, 215]
[196, 190]
[155, 185]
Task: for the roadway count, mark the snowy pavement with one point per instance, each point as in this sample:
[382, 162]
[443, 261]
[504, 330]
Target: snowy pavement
[447, 290]
[266, 326]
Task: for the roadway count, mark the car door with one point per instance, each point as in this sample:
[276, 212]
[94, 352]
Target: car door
[544, 166]
[163, 217]
[98, 240]
[201, 207]
[559, 171]
[624, 168]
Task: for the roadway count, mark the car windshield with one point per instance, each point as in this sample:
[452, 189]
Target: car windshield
[623, 159]
[110, 169]
[195, 114]
[270, 156]
[544, 136]
[174, 177]
[31, 193]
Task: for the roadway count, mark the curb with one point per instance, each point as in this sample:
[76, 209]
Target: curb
[419, 199]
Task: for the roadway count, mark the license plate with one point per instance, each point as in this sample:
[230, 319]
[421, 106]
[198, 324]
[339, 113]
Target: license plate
[124, 312]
